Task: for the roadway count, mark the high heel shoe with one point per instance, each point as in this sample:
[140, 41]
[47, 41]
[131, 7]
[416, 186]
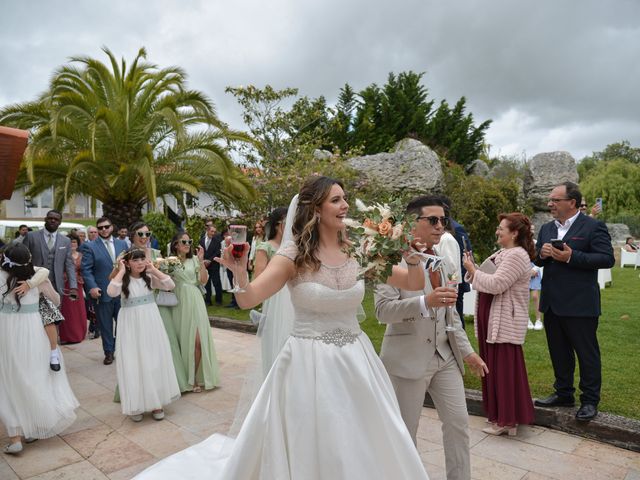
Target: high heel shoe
[511, 430]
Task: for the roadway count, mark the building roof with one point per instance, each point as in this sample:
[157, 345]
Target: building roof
[13, 143]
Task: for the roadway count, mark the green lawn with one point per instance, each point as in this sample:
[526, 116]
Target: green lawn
[618, 334]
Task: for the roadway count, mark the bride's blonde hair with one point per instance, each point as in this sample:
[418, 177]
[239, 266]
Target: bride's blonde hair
[305, 223]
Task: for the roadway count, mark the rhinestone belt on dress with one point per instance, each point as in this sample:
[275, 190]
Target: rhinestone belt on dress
[338, 337]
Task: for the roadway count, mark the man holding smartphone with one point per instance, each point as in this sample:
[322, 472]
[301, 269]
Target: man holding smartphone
[571, 249]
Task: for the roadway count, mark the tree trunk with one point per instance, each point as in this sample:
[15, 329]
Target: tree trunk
[122, 214]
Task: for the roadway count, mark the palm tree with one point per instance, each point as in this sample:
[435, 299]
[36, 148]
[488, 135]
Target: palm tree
[126, 137]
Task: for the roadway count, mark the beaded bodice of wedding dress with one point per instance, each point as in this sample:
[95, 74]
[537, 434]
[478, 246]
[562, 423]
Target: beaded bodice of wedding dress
[326, 303]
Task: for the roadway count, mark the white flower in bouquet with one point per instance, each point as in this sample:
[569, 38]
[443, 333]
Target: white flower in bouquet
[380, 237]
[168, 265]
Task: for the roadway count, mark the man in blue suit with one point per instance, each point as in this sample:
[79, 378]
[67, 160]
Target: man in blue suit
[98, 260]
[570, 297]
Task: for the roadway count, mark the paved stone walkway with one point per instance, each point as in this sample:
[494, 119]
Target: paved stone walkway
[103, 444]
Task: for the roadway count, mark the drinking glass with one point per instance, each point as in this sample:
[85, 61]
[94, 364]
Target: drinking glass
[238, 234]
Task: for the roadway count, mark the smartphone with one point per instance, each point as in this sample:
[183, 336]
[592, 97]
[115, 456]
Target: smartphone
[465, 248]
[557, 243]
[599, 203]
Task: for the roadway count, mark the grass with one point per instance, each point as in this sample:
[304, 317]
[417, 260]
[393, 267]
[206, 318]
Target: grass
[618, 336]
[618, 333]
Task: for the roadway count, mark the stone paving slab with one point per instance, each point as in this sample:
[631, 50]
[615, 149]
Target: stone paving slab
[104, 444]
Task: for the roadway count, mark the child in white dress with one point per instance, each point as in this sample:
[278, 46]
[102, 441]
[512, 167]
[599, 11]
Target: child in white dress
[146, 377]
[35, 402]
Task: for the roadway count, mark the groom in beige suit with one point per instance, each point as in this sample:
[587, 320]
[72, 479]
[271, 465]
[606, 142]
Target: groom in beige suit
[425, 346]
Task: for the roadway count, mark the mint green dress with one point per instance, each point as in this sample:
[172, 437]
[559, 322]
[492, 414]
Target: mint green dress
[169, 326]
[190, 316]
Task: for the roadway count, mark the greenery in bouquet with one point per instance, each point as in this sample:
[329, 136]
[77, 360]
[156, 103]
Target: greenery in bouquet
[379, 234]
[168, 265]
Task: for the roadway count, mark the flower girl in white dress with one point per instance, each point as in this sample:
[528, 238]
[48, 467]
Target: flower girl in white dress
[327, 409]
[146, 376]
[35, 402]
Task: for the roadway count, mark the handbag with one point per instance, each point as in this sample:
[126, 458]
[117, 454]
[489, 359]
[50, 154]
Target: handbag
[48, 311]
[166, 299]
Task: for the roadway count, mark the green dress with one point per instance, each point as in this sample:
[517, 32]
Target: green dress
[190, 316]
[169, 326]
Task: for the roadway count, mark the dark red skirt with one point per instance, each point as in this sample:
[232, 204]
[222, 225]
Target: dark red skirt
[505, 390]
[74, 327]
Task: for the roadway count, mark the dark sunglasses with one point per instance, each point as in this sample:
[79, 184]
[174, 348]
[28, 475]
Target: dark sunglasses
[584, 205]
[104, 227]
[186, 242]
[433, 221]
[143, 234]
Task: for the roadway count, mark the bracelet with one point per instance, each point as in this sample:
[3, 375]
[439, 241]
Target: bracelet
[246, 285]
[412, 264]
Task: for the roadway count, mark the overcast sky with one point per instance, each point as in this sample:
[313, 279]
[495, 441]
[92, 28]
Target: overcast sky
[551, 74]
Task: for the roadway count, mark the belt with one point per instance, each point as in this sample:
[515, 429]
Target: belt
[14, 308]
[136, 301]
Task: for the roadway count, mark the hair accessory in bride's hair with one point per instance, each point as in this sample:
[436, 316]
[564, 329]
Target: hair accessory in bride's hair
[7, 261]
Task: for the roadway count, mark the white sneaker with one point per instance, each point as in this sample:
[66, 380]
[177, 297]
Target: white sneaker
[13, 448]
[530, 325]
[538, 325]
[136, 418]
[159, 415]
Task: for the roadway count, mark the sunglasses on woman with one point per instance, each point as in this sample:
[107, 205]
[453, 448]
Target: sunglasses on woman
[186, 242]
[433, 221]
[143, 234]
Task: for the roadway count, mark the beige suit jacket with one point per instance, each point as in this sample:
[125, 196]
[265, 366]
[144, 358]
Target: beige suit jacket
[409, 343]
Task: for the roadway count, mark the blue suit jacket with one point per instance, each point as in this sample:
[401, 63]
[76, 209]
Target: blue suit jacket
[571, 289]
[97, 265]
[462, 237]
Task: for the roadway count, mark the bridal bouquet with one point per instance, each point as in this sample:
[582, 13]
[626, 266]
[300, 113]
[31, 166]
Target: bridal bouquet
[168, 265]
[379, 235]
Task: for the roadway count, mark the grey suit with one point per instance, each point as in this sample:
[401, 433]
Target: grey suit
[421, 354]
[61, 258]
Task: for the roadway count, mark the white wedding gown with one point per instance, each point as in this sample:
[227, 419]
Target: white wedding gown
[326, 410]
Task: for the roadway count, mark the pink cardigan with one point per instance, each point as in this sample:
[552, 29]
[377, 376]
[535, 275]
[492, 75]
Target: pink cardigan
[509, 284]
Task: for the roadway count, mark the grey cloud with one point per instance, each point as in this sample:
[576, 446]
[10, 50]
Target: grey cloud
[552, 74]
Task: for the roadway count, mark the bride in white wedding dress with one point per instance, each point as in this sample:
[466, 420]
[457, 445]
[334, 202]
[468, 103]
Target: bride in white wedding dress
[327, 409]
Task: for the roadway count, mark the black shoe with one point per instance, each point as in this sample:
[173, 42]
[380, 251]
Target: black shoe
[586, 412]
[55, 367]
[555, 401]
[231, 305]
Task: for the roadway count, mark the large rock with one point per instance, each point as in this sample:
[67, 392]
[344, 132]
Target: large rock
[545, 171]
[619, 232]
[411, 166]
[478, 167]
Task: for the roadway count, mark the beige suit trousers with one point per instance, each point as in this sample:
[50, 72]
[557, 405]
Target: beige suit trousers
[444, 383]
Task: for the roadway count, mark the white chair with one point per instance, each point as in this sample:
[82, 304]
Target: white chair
[628, 258]
[604, 277]
[469, 303]
[637, 261]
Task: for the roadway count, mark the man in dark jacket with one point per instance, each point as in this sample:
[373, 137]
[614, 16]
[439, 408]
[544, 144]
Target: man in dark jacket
[571, 249]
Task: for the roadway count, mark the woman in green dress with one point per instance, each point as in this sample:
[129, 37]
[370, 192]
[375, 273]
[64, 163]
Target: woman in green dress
[140, 235]
[191, 318]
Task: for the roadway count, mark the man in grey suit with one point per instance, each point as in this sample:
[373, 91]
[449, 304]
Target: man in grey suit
[52, 250]
[425, 346]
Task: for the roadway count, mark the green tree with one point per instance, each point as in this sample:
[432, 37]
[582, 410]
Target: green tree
[617, 182]
[613, 151]
[476, 204]
[286, 131]
[125, 136]
[380, 117]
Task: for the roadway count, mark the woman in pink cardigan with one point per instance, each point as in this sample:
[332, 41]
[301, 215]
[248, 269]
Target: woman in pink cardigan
[502, 314]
